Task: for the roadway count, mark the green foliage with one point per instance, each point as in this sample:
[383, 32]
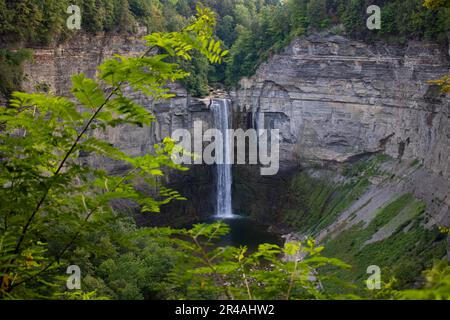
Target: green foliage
[317, 14]
[233, 273]
[30, 261]
[137, 267]
[275, 25]
[53, 205]
[402, 255]
[272, 27]
[47, 194]
[437, 286]
[316, 203]
[31, 21]
[435, 4]
[38, 22]
[253, 30]
[197, 81]
[41, 22]
[443, 83]
[80, 295]
[434, 285]
[11, 74]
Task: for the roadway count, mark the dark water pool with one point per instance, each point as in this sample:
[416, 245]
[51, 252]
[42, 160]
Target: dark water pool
[245, 231]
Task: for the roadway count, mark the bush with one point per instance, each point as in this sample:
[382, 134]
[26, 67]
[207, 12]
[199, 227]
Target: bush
[11, 74]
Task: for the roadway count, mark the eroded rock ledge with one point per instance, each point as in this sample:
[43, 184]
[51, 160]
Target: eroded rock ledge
[335, 98]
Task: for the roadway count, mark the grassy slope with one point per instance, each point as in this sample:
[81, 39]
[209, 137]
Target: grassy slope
[404, 251]
[403, 255]
[317, 202]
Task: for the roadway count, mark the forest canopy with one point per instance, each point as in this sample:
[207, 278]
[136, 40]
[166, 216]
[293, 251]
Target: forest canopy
[251, 29]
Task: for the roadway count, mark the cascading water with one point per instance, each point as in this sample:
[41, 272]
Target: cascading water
[220, 108]
[243, 231]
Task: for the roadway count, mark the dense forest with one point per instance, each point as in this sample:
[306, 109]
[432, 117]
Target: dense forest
[252, 29]
[56, 212]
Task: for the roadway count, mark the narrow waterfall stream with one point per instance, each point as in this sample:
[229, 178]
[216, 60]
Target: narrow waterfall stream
[221, 112]
[243, 230]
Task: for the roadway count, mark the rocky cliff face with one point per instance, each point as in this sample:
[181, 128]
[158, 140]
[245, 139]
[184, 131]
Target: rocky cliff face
[52, 68]
[334, 99]
[336, 102]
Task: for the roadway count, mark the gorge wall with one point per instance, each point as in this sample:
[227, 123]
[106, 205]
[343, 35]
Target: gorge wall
[51, 68]
[345, 106]
[364, 153]
[334, 98]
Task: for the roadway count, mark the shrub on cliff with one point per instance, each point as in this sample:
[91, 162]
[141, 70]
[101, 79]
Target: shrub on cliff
[11, 73]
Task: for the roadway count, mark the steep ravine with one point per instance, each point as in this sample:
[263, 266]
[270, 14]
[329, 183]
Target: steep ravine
[334, 100]
[365, 142]
[365, 149]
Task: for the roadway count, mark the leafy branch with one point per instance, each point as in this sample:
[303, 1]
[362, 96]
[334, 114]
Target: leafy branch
[42, 179]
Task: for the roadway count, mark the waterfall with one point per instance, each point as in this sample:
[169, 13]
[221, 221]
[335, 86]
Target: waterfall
[220, 108]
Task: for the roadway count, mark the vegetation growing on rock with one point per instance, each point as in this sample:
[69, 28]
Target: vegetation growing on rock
[53, 204]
